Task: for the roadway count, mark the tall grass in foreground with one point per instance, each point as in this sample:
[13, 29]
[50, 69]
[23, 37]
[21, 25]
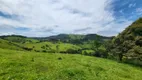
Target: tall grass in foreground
[19, 65]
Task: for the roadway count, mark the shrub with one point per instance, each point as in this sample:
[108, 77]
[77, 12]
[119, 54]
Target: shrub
[72, 51]
[28, 49]
[101, 53]
[51, 51]
[37, 50]
[43, 47]
[87, 52]
[44, 51]
[63, 52]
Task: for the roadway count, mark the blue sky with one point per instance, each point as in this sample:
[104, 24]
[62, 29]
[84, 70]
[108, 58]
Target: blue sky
[36, 18]
[127, 9]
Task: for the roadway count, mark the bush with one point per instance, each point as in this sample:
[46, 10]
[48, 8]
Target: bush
[72, 51]
[101, 53]
[63, 52]
[28, 49]
[51, 51]
[37, 50]
[43, 47]
[44, 51]
[87, 52]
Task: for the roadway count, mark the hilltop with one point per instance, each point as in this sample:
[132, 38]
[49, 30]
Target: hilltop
[75, 38]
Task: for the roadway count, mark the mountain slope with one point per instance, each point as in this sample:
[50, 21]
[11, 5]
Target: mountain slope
[51, 47]
[19, 65]
[128, 44]
[74, 38]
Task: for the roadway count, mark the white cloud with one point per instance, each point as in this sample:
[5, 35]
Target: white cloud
[139, 11]
[115, 27]
[132, 5]
[58, 16]
[7, 33]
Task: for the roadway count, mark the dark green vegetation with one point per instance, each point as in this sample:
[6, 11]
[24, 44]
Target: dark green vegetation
[63, 43]
[58, 57]
[127, 46]
[20, 65]
[74, 38]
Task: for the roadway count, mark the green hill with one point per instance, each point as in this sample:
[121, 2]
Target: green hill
[9, 45]
[63, 43]
[51, 47]
[19, 65]
[74, 38]
[19, 39]
[128, 44]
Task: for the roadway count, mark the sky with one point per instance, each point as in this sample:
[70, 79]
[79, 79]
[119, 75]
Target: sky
[41, 18]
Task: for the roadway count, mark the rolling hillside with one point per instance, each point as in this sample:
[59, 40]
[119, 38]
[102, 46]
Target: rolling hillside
[70, 39]
[9, 45]
[19, 65]
[63, 43]
[19, 39]
[50, 47]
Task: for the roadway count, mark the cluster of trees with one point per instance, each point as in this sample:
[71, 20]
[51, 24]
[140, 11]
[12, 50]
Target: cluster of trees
[127, 46]
[5, 36]
[28, 49]
[97, 47]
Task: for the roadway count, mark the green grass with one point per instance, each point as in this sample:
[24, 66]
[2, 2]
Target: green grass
[62, 46]
[21, 39]
[19, 65]
[8, 45]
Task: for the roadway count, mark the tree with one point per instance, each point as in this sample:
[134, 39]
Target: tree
[118, 47]
[96, 44]
[57, 48]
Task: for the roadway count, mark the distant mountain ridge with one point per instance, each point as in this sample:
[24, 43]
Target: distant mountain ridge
[75, 38]
[65, 38]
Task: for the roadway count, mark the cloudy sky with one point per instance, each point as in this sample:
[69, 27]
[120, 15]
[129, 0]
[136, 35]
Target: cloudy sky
[35, 18]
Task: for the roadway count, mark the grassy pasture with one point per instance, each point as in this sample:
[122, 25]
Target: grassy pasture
[20, 65]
